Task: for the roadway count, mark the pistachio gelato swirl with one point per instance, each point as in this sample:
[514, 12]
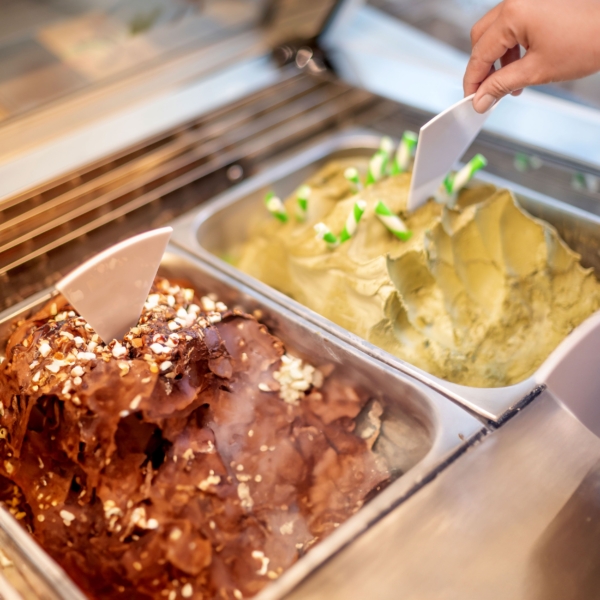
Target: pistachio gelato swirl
[480, 295]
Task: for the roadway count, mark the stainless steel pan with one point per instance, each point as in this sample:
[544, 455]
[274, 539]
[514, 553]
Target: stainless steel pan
[434, 430]
[215, 228]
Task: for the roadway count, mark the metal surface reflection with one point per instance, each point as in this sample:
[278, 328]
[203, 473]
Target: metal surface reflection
[508, 520]
[565, 562]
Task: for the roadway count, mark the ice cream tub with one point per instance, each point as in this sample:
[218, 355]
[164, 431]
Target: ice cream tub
[420, 430]
[213, 231]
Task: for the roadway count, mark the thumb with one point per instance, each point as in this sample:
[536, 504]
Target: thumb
[515, 76]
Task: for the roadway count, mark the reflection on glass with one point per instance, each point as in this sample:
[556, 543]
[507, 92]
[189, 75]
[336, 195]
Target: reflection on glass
[52, 48]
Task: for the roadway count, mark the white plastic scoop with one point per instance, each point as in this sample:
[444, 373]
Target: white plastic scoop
[572, 373]
[110, 289]
[442, 142]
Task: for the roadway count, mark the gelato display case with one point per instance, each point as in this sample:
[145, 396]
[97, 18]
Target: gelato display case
[187, 113]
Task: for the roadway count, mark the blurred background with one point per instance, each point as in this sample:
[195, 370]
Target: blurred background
[450, 21]
[52, 48]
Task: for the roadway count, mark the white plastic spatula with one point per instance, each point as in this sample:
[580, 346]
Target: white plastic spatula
[442, 142]
[572, 373]
[110, 289]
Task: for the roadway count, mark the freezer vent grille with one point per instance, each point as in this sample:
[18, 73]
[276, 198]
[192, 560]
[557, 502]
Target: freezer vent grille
[49, 230]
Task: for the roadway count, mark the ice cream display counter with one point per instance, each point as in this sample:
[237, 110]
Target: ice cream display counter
[339, 399]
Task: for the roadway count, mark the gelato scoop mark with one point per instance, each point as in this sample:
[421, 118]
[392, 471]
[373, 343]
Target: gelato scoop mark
[479, 295]
[194, 458]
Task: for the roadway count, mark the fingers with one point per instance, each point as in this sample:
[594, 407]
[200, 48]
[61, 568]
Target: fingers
[509, 79]
[483, 24]
[492, 45]
[511, 55]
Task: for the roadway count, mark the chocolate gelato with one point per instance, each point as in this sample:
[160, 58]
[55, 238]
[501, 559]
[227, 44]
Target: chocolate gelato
[192, 459]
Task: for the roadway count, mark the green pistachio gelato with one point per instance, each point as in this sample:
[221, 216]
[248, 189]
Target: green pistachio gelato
[480, 295]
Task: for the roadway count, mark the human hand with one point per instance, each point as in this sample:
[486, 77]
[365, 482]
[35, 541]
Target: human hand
[561, 39]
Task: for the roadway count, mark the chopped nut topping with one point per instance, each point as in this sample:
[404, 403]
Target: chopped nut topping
[67, 517]
[210, 480]
[119, 351]
[159, 348]
[295, 378]
[259, 555]
[287, 528]
[207, 304]
[56, 365]
[133, 405]
[77, 371]
[124, 368]
[244, 495]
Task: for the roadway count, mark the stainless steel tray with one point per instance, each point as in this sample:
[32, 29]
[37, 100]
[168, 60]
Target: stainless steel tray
[435, 430]
[217, 226]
